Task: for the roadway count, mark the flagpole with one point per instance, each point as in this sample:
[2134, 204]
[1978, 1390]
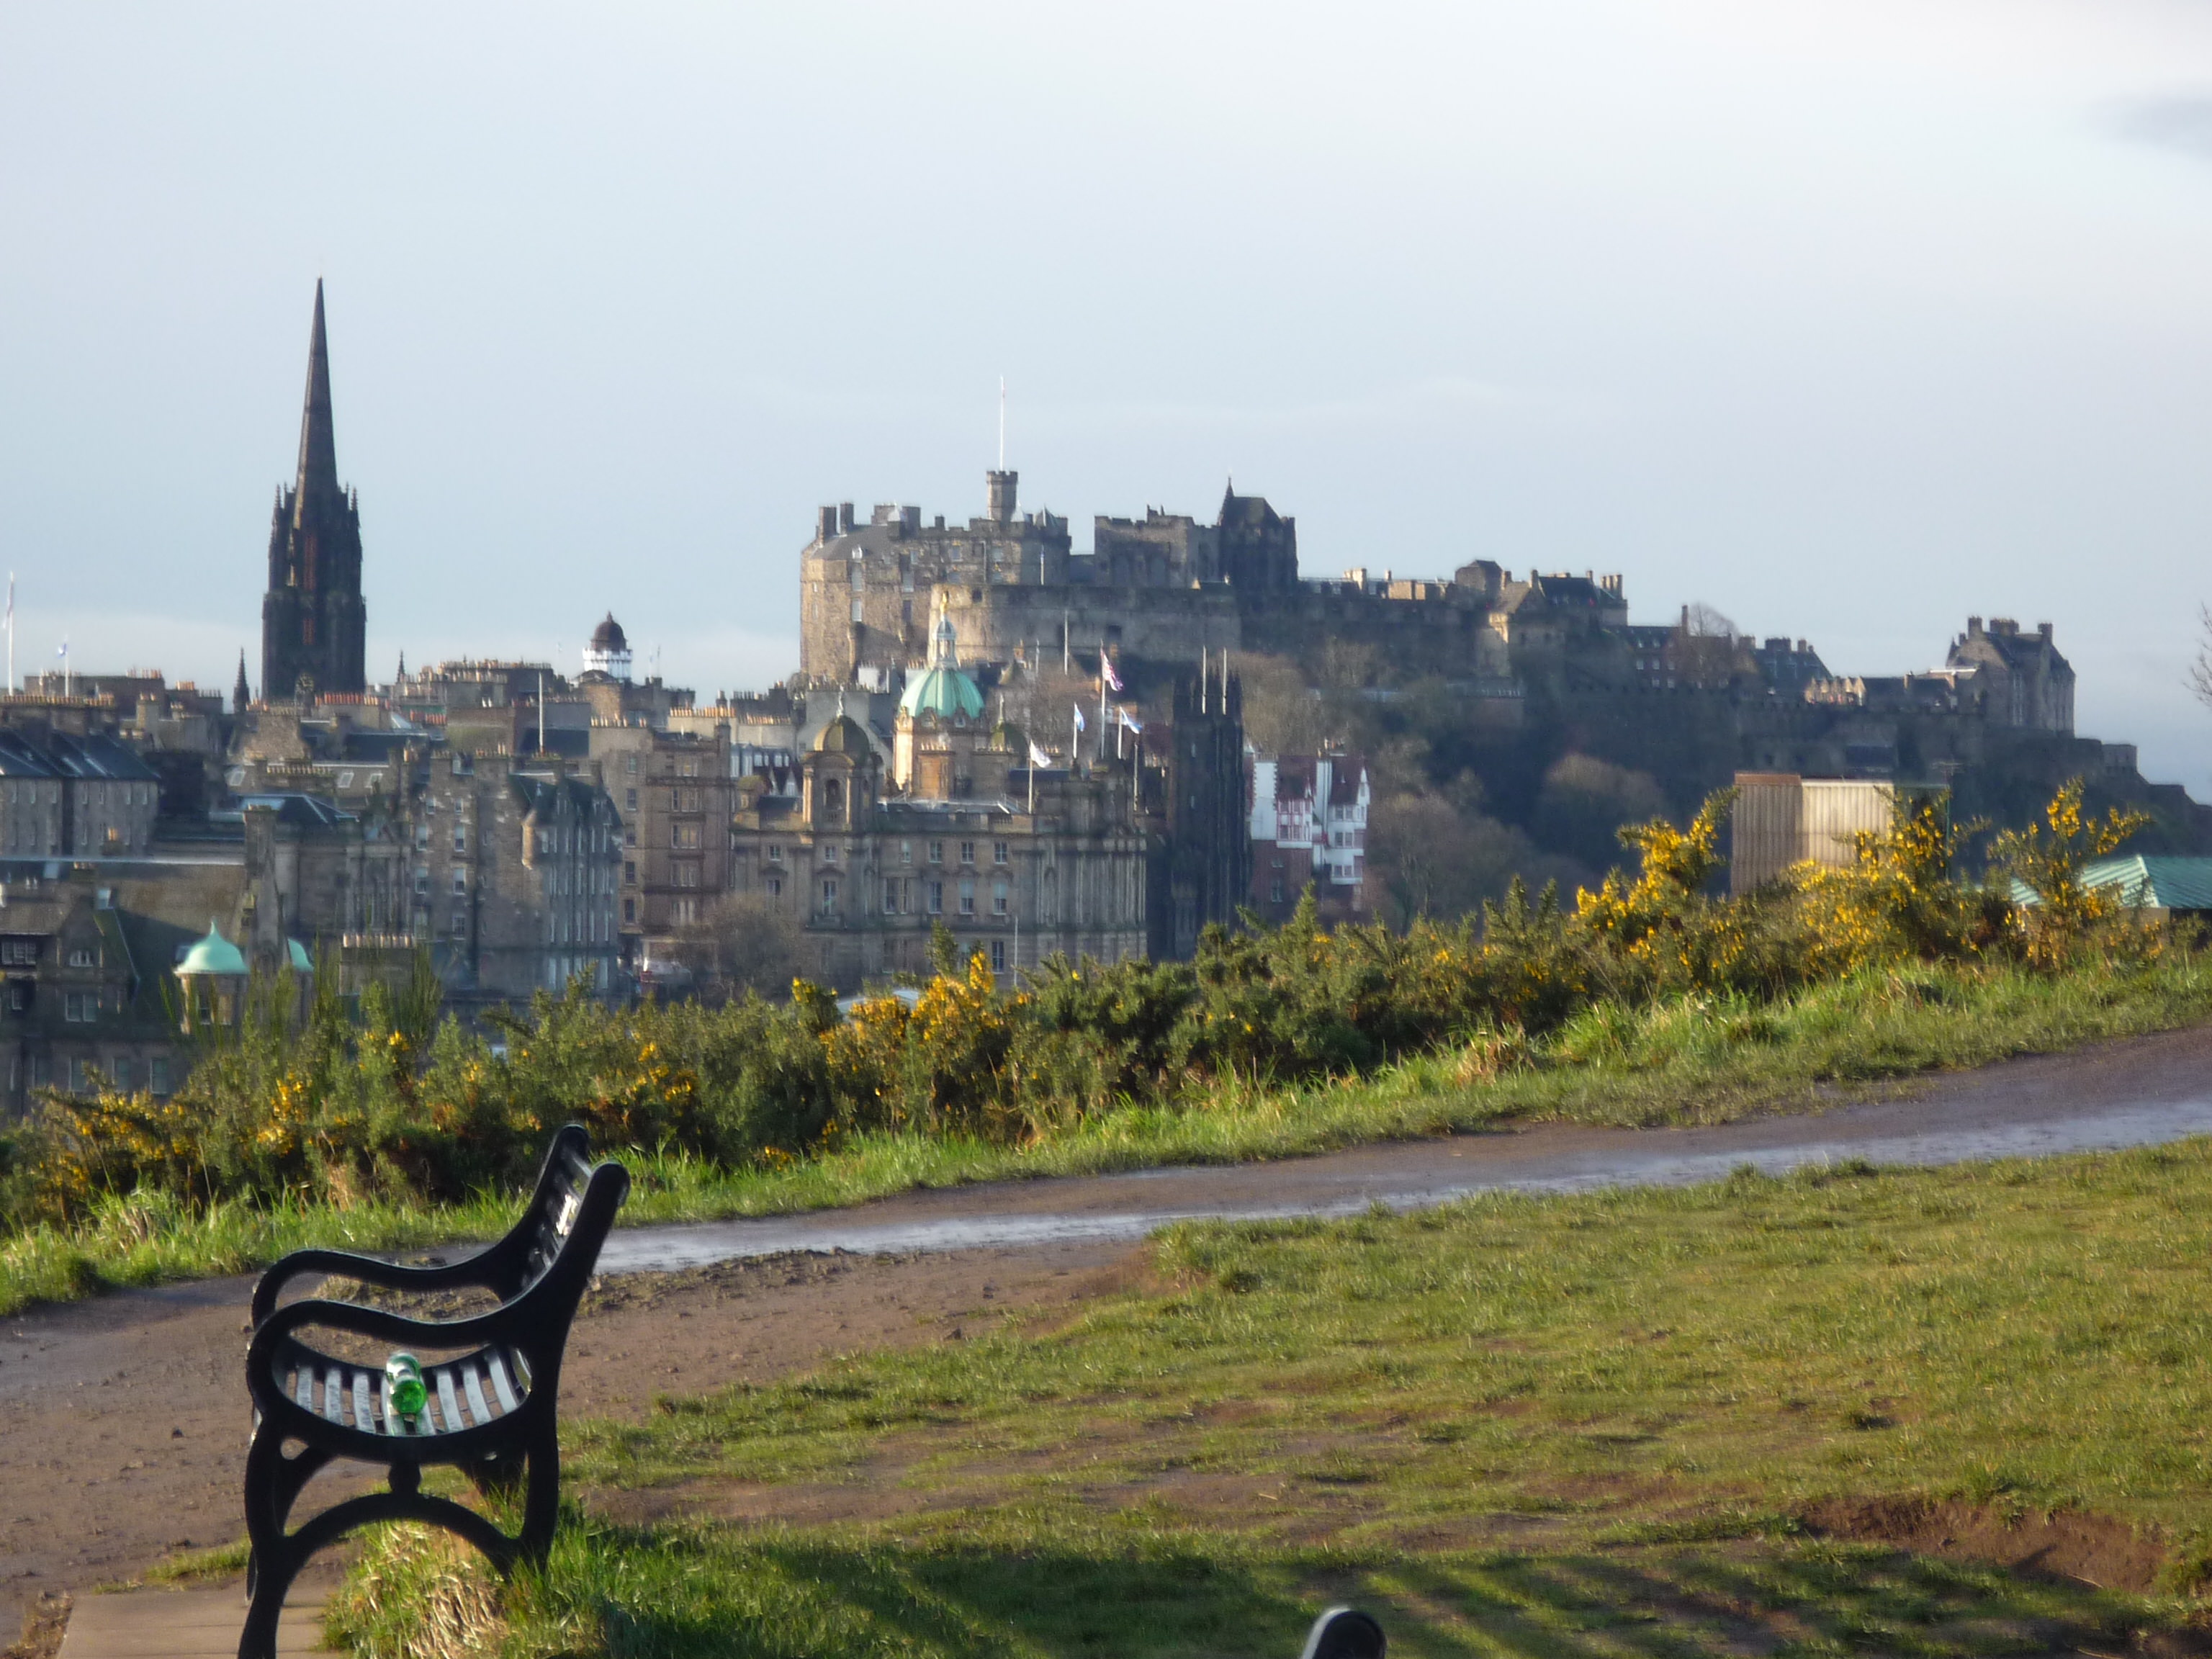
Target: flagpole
[11, 633]
[1101, 700]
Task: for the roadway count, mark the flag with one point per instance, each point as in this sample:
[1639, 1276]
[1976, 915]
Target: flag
[1106, 671]
[1128, 719]
[1038, 758]
[11, 599]
[1079, 717]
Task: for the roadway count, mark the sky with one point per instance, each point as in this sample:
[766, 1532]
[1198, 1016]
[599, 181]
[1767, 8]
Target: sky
[1849, 321]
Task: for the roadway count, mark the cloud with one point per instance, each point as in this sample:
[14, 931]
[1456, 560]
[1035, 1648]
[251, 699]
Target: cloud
[2180, 122]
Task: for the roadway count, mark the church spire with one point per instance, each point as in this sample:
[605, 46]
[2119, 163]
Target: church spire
[318, 453]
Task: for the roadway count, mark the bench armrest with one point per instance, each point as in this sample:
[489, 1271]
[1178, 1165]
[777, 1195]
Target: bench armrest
[477, 1269]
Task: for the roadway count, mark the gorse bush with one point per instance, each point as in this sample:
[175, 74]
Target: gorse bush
[389, 1102]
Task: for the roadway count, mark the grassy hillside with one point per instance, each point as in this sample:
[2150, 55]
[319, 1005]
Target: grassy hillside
[1760, 1416]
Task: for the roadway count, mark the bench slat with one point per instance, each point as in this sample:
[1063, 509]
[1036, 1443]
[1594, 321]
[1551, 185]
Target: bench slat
[474, 1389]
[499, 1385]
[364, 1417]
[452, 1414]
[303, 1383]
[333, 1400]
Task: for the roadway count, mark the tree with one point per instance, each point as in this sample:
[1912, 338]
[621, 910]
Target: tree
[744, 943]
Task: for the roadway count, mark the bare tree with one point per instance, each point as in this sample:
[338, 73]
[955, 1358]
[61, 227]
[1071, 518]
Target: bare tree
[2200, 668]
[744, 943]
[1705, 649]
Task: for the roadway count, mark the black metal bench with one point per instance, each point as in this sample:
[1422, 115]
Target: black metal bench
[490, 1411]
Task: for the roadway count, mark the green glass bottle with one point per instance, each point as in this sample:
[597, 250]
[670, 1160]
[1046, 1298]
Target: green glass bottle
[403, 1384]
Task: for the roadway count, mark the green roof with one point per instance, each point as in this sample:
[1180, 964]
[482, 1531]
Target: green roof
[296, 953]
[214, 956]
[2146, 881]
[942, 692]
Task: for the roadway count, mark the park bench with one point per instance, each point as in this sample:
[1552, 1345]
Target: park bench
[491, 1407]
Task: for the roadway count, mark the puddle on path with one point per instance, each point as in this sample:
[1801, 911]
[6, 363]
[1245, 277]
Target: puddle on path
[1409, 1177]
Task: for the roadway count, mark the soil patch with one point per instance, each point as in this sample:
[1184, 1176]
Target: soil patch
[2100, 1550]
[124, 1421]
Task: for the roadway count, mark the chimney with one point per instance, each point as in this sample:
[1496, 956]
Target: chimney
[844, 517]
[825, 524]
[1973, 627]
[999, 495]
[2043, 629]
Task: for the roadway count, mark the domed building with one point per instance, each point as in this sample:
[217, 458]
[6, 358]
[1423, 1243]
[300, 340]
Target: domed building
[939, 725]
[609, 652]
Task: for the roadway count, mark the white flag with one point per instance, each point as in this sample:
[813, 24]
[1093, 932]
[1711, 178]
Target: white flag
[1038, 758]
[1128, 719]
[1079, 717]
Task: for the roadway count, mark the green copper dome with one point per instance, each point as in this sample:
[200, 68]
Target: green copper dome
[942, 691]
[214, 956]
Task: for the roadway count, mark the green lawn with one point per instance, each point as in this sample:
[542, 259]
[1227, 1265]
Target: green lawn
[1607, 1424]
[1695, 1061]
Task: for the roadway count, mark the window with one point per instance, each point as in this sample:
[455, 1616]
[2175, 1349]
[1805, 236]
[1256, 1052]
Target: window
[629, 834]
[906, 852]
[687, 912]
[856, 603]
[776, 886]
[460, 921]
[685, 836]
[421, 836]
[460, 838]
[936, 898]
[119, 1073]
[629, 799]
[630, 872]
[687, 875]
[1275, 890]
[998, 851]
[345, 780]
[967, 896]
[687, 800]
[81, 957]
[967, 852]
[998, 898]
[80, 1007]
[630, 910]
[829, 854]
[19, 952]
[461, 884]
[630, 770]
[936, 852]
[890, 897]
[830, 895]
[422, 882]
[775, 855]
[998, 956]
[689, 769]
[157, 1075]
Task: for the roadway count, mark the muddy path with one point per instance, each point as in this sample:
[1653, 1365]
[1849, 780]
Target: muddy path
[122, 1422]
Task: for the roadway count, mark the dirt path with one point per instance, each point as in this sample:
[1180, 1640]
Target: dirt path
[122, 1422]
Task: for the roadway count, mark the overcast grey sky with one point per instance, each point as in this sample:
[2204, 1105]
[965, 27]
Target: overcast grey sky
[1847, 319]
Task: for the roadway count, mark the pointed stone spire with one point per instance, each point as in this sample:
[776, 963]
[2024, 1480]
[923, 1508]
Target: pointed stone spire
[318, 453]
[239, 696]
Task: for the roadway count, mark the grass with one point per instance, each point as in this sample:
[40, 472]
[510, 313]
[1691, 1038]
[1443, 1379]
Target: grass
[1694, 1061]
[1616, 1424]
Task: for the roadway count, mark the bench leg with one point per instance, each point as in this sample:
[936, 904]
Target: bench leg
[541, 1509]
[272, 1485]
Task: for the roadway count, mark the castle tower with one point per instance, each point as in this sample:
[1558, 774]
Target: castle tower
[313, 621]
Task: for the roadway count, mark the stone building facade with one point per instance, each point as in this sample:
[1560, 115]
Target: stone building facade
[1309, 826]
[675, 794]
[83, 993]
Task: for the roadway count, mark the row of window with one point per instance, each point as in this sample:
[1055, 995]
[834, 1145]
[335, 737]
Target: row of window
[827, 853]
[119, 1071]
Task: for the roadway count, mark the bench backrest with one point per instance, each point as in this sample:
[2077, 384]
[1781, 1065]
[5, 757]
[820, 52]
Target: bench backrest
[570, 1211]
